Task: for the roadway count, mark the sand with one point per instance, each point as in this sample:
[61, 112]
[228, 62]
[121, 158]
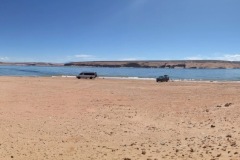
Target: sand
[66, 119]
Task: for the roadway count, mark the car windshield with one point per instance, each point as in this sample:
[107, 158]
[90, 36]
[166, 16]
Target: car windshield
[89, 73]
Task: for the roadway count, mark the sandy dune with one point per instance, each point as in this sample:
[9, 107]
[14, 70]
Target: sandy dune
[67, 119]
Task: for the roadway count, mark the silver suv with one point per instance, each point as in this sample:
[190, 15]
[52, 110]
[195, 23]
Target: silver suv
[89, 75]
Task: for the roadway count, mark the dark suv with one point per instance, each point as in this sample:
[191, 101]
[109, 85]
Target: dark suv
[89, 75]
[164, 78]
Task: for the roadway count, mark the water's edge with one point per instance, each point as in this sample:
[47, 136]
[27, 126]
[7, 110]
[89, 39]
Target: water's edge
[125, 73]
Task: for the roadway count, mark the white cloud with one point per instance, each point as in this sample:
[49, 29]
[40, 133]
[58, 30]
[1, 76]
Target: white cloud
[81, 57]
[84, 56]
[129, 59]
[232, 57]
[225, 57]
[4, 58]
[194, 58]
[132, 59]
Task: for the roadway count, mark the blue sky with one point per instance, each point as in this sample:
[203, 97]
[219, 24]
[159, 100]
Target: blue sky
[86, 30]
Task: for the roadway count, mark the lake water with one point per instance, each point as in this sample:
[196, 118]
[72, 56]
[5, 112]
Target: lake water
[176, 74]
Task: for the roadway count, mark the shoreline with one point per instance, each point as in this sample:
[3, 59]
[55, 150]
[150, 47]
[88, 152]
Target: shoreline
[110, 73]
[136, 78]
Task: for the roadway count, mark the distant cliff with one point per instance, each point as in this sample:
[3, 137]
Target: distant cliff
[194, 64]
[31, 64]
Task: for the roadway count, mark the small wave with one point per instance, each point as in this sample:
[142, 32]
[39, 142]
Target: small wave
[136, 78]
[65, 76]
[102, 77]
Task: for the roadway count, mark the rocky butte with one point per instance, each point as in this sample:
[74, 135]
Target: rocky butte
[194, 64]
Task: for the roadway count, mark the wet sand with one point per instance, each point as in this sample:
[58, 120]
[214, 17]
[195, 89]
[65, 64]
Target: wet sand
[66, 119]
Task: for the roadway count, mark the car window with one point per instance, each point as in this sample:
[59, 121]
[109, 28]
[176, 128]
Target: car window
[89, 73]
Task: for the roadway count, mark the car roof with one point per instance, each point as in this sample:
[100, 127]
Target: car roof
[88, 72]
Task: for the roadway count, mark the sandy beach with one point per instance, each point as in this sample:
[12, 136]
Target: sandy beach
[70, 119]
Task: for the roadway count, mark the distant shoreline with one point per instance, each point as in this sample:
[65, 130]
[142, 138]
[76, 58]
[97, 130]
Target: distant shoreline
[176, 64]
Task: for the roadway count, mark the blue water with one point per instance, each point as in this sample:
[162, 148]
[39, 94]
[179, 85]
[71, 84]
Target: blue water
[191, 74]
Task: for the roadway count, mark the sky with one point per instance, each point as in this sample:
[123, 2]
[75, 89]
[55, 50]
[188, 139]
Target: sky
[104, 30]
